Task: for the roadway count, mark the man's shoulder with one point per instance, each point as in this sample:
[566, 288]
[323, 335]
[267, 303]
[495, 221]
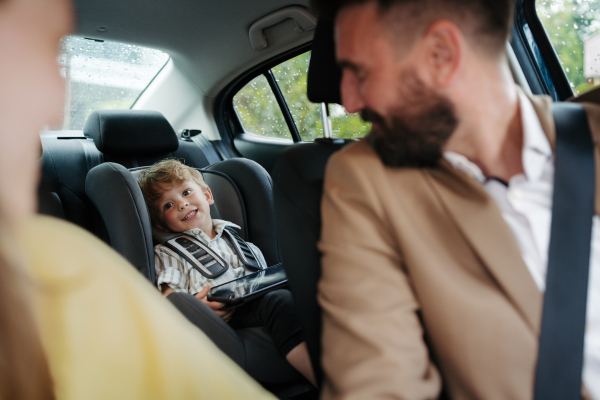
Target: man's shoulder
[354, 158]
[358, 160]
[358, 148]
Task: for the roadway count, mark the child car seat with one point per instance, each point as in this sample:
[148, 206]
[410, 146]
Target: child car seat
[243, 194]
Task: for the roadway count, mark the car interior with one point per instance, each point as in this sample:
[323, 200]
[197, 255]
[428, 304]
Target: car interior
[247, 91]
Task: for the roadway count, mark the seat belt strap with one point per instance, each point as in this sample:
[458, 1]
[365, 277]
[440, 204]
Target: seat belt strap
[208, 149]
[201, 257]
[560, 359]
[242, 249]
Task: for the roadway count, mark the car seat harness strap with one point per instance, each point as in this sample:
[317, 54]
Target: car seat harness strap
[202, 258]
[205, 260]
[242, 249]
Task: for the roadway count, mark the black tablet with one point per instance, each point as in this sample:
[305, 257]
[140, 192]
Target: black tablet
[241, 290]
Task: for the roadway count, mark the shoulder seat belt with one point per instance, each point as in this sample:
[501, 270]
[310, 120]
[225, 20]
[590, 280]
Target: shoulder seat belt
[560, 359]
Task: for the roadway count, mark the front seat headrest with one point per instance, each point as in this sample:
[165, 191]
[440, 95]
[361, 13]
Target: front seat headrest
[324, 75]
[131, 133]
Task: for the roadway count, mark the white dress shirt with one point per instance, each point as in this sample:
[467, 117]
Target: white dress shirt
[526, 205]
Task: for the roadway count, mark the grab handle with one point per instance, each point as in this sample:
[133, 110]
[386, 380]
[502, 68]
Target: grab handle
[304, 20]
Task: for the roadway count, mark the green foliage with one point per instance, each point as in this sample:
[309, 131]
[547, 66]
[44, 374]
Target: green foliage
[347, 126]
[258, 109]
[568, 23]
[291, 77]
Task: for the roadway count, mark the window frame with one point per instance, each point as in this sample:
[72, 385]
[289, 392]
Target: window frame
[228, 121]
[285, 109]
[536, 54]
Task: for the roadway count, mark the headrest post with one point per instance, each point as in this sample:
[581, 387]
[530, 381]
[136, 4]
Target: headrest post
[326, 121]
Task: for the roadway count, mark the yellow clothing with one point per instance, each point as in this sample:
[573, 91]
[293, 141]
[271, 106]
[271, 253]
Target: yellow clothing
[109, 334]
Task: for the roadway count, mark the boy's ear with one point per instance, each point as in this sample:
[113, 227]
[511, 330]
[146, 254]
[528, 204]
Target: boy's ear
[209, 196]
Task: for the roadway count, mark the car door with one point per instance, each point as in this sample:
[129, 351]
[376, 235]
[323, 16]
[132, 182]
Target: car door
[267, 110]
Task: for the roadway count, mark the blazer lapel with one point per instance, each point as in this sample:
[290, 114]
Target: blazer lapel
[480, 220]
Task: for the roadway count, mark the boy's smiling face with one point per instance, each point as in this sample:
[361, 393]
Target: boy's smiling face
[185, 206]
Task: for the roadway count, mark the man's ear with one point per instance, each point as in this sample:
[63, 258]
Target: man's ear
[209, 196]
[444, 52]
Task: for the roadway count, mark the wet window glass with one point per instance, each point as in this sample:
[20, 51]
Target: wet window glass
[573, 27]
[347, 126]
[261, 114]
[103, 75]
[258, 109]
[291, 78]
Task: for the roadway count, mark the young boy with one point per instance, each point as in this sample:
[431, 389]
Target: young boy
[179, 201]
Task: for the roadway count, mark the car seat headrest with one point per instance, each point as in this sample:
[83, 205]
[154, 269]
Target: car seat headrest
[324, 76]
[131, 133]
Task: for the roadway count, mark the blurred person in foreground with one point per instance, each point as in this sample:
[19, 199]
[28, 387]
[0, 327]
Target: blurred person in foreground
[78, 322]
[436, 226]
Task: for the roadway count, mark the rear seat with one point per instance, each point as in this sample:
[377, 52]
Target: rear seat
[131, 138]
[244, 190]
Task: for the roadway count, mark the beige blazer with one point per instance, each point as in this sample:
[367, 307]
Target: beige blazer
[423, 256]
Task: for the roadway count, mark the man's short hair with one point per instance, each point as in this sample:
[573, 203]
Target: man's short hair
[157, 179]
[486, 22]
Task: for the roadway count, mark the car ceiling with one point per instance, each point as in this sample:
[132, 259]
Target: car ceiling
[207, 40]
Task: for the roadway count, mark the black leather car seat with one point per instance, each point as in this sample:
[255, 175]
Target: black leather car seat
[129, 137]
[298, 187]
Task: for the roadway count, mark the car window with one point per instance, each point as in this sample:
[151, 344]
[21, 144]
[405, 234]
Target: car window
[291, 77]
[260, 112]
[573, 27]
[103, 75]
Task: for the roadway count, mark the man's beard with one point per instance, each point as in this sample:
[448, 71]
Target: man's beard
[417, 130]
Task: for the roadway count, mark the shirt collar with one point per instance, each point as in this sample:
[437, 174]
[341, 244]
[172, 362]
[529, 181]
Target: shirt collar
[218, 225]
[536, 148]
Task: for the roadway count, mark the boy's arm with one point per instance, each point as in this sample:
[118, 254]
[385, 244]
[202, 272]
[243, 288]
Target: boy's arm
[214, 305]
[171, 277]
[170, 272]
[166, 290]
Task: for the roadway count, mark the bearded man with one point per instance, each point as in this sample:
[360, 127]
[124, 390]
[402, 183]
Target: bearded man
[436, 226]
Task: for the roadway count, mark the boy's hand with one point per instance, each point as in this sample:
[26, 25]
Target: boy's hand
[215, 305]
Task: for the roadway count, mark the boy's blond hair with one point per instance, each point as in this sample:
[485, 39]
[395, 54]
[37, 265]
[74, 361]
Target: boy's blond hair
[160, 177]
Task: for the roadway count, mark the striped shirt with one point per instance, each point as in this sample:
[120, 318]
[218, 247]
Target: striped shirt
[181, 276]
